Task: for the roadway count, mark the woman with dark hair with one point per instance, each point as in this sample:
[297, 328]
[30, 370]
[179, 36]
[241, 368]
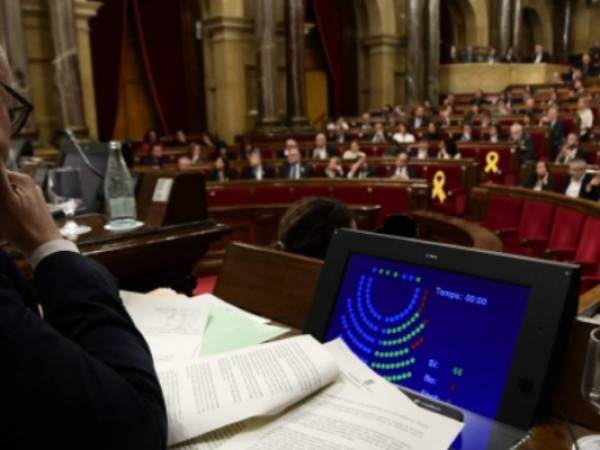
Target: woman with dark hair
[540, 179]
[221, 171]
[309, 224]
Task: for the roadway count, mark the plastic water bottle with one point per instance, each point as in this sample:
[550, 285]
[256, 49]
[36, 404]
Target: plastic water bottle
[118, 191]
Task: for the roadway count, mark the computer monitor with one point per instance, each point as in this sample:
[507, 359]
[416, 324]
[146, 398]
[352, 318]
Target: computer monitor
[474, 329]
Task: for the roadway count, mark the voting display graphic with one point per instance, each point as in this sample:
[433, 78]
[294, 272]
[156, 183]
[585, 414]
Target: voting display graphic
[448, 336]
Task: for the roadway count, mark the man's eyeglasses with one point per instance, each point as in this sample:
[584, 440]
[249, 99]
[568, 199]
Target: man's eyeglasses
[19, 110]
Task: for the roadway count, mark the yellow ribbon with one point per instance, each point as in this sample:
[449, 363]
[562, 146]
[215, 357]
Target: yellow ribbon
[439, 181]
[492, 159]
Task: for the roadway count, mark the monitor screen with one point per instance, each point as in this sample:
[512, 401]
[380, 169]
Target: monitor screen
[446, 335]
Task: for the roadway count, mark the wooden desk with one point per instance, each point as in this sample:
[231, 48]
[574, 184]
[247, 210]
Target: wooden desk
[149, 257]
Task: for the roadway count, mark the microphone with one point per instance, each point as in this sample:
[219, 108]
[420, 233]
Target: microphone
[73, 140]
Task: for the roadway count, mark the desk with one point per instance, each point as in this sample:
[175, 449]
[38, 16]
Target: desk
[460, 78]
[148, 257]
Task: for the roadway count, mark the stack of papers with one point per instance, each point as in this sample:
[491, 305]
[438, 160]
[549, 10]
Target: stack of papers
[223, 391]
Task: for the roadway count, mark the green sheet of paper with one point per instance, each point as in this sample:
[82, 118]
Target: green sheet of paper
[228, 330]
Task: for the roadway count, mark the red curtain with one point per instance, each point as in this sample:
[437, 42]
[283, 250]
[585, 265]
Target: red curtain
[108, 32]
[158, 24]
[331, 30]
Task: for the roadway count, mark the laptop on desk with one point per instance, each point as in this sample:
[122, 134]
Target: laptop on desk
[472, 331]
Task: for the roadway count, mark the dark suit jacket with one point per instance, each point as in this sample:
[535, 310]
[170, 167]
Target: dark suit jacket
[531, 181]
[506, 61]
[248, 173]
[331, 151]
[424, 122]
[83, 377]
[525, 148]
[306, 170]
[583, 192]
[557, 136]
[214, 175]
[370, 172]
[411, 172]
[579, 154]
[545, 58]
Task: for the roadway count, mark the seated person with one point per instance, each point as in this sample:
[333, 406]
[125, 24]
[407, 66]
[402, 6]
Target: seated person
[184, 163]
[378, 137]
[353, 153]
[365, 125]
[540, 179]
[334, 168]
[308, 226]
[221, 171]
[521, 142]
[509, 56]
[492, 57]
[540, 56]
[493, 134]
[467, 133]
[557, 78]
[587, 68]
[479, 98]
[361, 169]
[556, 127]
[570, 150]
[256, 170]
[578, 181]
[402, 171]
[81, 376]
[422, 151]
[504, 109]
[592, 189]
[448, 150]
[150, 138]
[531, 108]
[419, 120]
[196, 155]
[585, 117]
[294, 168]
[180, 138]
[156, 158]
[322, 151]
[289, 143]
[402, 136]
[432, 134]
[446, 118]
[486, 120]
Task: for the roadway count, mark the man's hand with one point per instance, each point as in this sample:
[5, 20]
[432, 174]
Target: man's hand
[24, 217]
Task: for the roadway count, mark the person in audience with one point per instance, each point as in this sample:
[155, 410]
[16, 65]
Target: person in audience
[446, 117]
[486, 120]
[586, 67]
[184, 163]
[353, 153]
[521, 143]
[467, 133]
[308, 226]
[448, 150]
[208, 141]
[556, 127]
[256, 170]
[503, 109]
[222, 150]
[402, 171]
[493, 134]
[180, 138]
[479, 99]
[294, 168]
[592, 189]
[196, 155]
[571, 96]
[541, 179]
[450, 101]
[150, 138]
[402, 136]
[531, 108]
[557, 78]
[76, 372]
[492, 57]
[540, 56]
[342, 124]
[578, 180]
[579, 89]
[585, 118]
[509, 56]
[246, 150]
[570, 150]
[378, 137]
[334, 168]
[432, 134]
[365, 125]
[156, 157]
[339, 135]
[527, 120]
[322, 151]
[360, 169]
[422, 150]
[221, 171]
[419, 120]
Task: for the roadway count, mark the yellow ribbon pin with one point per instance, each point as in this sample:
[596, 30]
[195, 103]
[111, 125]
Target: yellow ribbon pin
[492, 159]
[439, 181]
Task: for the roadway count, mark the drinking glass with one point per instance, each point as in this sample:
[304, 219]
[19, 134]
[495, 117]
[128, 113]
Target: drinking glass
[65, 192]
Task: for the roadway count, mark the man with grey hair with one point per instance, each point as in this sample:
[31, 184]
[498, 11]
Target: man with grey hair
[81, 376]
[578, 180]
[521, 143]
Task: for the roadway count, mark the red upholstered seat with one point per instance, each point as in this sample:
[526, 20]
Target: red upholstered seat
[272, 194]
[455, 200]
[503, 215]
[538, 136]
[392, 200]
[352, 195]
[561, 180]
[229, 196]
[534, 229]
[299, 192]
[588, 250]
[565, 234]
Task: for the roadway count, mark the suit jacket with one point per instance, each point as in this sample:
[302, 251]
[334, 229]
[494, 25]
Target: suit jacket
[411, 172]
[583, 192]
[531, 181]
[579, 154]
[525, 148]
[214, 175]
[545, 58]
[506, 61]
[424, 122]
[306, 170]
[81, 378]
[331, 151]
[557, 135]
[248, 173]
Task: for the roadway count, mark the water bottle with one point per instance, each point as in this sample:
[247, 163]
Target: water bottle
[118, 191]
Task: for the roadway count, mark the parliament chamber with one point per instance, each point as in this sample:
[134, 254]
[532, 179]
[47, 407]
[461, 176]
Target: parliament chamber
[226, 147]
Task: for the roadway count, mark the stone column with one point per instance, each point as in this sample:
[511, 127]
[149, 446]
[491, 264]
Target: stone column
[566, 31]
[415, 67]
[383, 51]
[433, 53]
[13, 38]
[518, 29]
[505, 26]
[295, 77]
[66, 65]
[268, 121]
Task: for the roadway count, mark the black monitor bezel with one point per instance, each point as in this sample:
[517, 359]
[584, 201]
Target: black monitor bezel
[546, 322]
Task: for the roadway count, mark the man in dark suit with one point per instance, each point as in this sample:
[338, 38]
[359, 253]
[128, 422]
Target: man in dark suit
[402, 171]
[586, 67]
[570, 150]
[322, 150]
[256, 170]
[578, 181]
[557, 130]
[419, 120]
[521, 143]
[82, 376]
[540, 56]
[379, 136]
[294, 168]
